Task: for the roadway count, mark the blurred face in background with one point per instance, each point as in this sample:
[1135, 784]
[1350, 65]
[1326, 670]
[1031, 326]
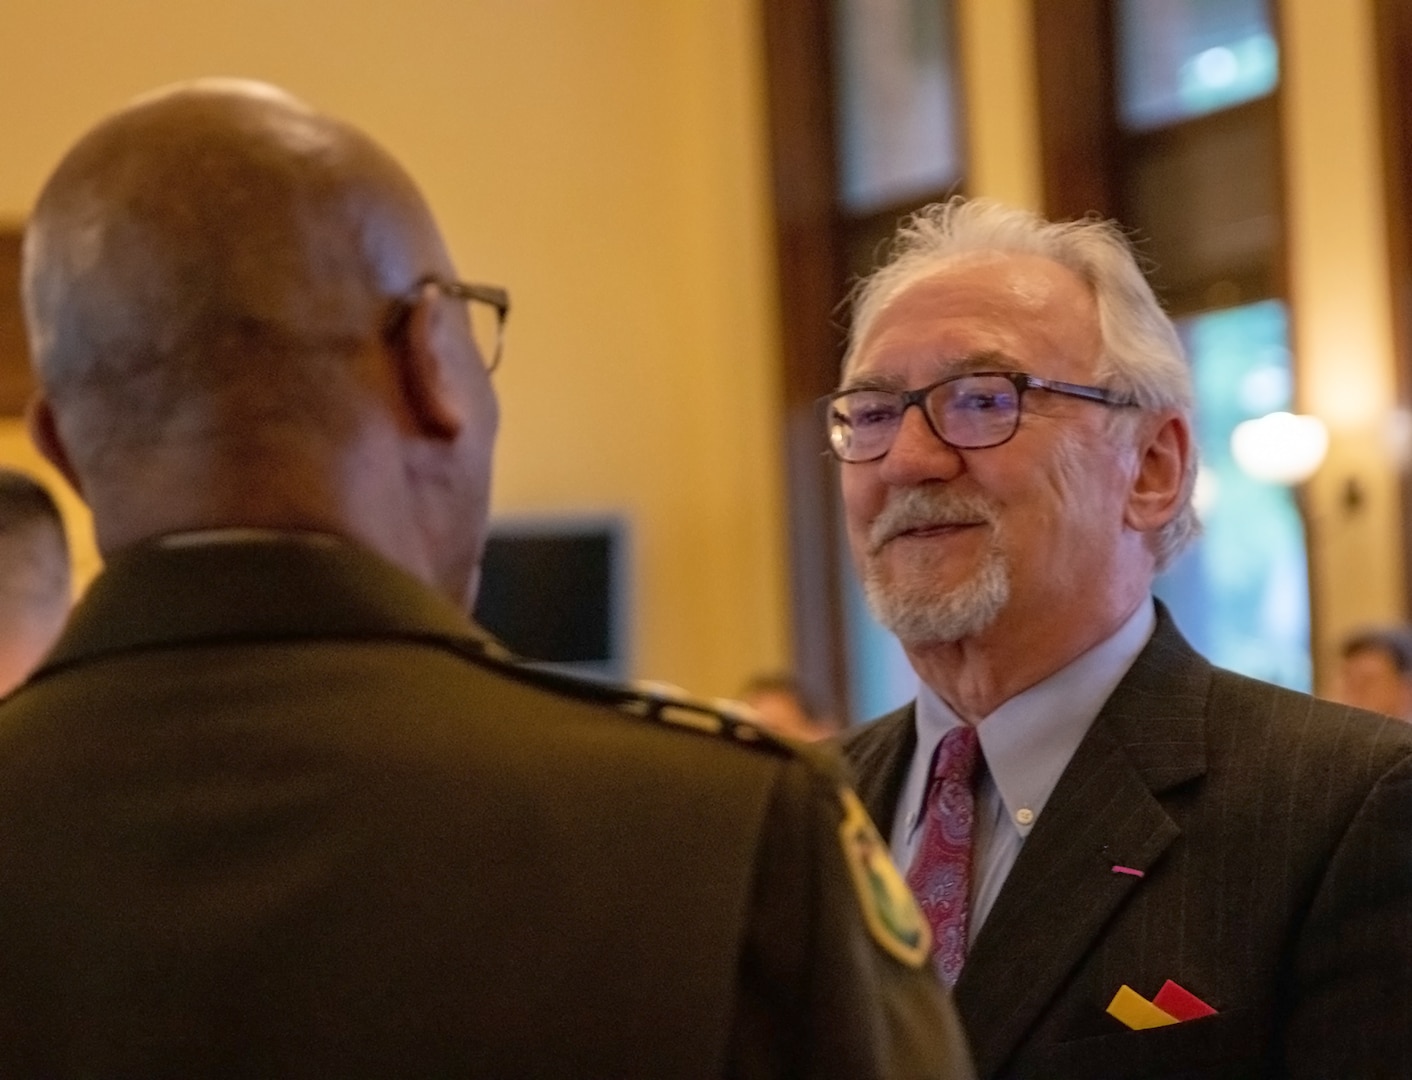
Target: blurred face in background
[781, 711]
[1369, 679]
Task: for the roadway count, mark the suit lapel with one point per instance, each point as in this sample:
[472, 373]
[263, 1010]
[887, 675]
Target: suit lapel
[880, 754]
[1104, 812]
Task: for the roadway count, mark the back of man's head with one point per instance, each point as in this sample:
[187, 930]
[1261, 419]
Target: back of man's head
[206, 233]
[34, 575]
[210, 276]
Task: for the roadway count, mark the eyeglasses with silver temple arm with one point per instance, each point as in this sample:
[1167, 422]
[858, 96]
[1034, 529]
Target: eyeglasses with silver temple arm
[489, 307]
[971, 411]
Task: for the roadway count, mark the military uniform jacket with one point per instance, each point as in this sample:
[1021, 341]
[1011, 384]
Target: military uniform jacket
[271, 810]
[1252, 844]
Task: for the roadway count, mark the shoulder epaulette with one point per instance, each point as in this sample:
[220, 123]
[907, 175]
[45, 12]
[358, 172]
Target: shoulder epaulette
[889, 912]
[656, 702]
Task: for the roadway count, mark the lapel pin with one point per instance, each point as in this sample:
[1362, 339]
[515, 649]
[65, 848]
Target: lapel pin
[1129, 871]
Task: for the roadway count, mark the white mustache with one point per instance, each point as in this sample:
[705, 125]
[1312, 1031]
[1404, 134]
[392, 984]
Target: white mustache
[924, 508]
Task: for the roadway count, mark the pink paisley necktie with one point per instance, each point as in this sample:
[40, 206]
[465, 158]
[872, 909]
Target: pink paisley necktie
[940, 875]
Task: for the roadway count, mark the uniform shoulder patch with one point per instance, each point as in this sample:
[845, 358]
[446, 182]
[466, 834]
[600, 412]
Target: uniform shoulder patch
[891, 914]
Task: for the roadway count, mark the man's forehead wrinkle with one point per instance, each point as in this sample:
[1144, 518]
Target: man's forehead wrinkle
[1030, 290]
[1028, 280]
[946, 318]
[1033, 282]
[875, 380]
[945, 363]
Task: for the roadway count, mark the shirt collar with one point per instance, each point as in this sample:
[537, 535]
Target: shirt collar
[1027, 742]
[233, 585]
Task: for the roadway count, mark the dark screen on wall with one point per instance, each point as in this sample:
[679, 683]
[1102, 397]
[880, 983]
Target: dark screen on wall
[549, 596]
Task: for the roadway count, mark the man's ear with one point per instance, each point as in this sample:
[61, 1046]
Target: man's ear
[44, 433]
[420, 346]
[1164, 453]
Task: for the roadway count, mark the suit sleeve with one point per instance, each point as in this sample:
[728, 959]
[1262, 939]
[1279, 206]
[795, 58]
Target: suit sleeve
[1351, 1014]
[822, 997]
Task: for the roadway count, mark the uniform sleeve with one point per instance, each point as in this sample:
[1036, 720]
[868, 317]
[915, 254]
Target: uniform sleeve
[822, 995]
[1351, 1008]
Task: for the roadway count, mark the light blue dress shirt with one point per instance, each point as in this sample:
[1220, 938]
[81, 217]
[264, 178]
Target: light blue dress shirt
[1026, 744]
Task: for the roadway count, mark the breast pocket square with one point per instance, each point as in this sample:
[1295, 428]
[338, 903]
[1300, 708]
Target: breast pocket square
[1172, 1005]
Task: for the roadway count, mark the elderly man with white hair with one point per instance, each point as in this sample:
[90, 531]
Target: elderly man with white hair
[1135, 864]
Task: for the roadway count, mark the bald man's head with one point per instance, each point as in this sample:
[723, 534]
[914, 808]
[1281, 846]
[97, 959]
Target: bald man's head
[231, 325]
[197, 240]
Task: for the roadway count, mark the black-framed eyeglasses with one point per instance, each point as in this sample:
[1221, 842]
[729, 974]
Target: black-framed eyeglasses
[971, 411]
[487, 305]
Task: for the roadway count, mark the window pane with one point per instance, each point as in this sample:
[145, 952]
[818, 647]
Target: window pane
[1183, 58]
[897, 108]
[1207, 203]
[1241, 593]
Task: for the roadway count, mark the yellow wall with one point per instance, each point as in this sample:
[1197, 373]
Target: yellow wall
[996, 45]
[1342, 322]
[602, 158]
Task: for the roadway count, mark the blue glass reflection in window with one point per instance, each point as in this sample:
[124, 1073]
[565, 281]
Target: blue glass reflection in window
[1184, 58]
[1241, 593]
[879, 674]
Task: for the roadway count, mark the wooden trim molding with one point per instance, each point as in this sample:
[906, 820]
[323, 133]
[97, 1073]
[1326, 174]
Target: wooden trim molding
[798, 37]
[1393, 36]
[1077, 115]
[16, 381]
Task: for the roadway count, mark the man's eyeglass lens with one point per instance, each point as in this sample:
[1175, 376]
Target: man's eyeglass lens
[488, 329]
[970, 412]
[487, 307]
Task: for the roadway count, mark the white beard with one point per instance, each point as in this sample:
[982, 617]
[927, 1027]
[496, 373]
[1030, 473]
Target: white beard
[917, 610]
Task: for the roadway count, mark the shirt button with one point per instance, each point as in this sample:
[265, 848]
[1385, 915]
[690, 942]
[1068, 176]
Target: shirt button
[1024, 816]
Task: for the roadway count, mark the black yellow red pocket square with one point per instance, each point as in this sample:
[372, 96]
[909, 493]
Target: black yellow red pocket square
[1172, 1005]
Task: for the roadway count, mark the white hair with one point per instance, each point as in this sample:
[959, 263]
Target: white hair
[1142, 354]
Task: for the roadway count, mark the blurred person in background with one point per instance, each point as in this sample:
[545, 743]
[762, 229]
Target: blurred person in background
[783, 706]
[35, 576]
[1375, 671]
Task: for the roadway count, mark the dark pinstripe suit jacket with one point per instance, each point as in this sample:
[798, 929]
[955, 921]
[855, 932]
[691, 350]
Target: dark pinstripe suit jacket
[1275, 833]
